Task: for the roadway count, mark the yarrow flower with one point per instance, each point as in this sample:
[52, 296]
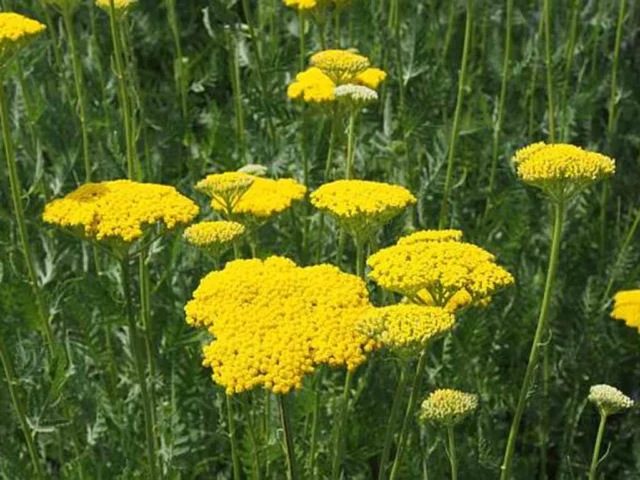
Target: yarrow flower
[609, 400]
[312, 86]
[314, 6]
[448, 407]
[448, 274]
[119, 5]
[561, 170]
[355, 96]
[214, 237]
[626, 306]
[362, 207]
[15, 32]
[431, 236]
[226, 188]
[406, 326]
[274, 322]
[120, 210]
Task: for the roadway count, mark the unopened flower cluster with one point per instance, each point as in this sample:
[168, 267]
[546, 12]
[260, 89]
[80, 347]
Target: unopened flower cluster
[226, 188]
[120, 209]
[274, 322]
[118, 5]
[626, 306]
[15, 31]
[214, 237]
[448, 407]
[362, 207]
[609, 400]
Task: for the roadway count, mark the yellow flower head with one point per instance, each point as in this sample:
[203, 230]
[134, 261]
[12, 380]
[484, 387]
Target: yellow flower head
[437, 273]
[360, 206]
[274, 322]
[226, 188]
[561, 170]
[406, 326]
[432, 236]
[265, 198]
[120, 209]
[447, 407]
[214, 237]
[312, 86]
[626, 306]
[119, 5]
[609, 400]
[371, 77]
[304, 5]
[16, 31]
[340, 65]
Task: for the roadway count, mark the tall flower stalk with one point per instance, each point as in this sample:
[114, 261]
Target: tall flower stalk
[290, 456]
[179, 70]
[569, 56]
[549, 63]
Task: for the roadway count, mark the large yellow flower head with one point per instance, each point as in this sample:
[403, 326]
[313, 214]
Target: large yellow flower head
[226, 188]
[120, 6]
[15, 32]
[406, 326]
[312, 86]
[561, 170]
[447, 407]
[214, 237]
[438, 273]
[264, 198]
[274, 322]
[120, 210]
[362, 207]
[626, 306]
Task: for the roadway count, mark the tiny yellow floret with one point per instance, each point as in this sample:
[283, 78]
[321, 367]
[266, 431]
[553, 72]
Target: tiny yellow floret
[626, 306]
[447, 407]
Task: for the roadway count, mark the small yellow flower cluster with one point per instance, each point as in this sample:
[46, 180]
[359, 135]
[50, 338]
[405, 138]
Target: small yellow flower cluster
[314, 6]
[119, 5]
[120, 209]
[448, 274]
[431, 236]
[226, 188]
[626, 306]
[609, 400]
[274, 322]
[362, 207]
[15, 31]
[561, 170]
[340, 65]
[448, 407]
[406, 326]
[214, 237]
[312, 86]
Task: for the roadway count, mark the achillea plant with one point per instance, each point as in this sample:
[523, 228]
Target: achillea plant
[214, 238]
[626, 307]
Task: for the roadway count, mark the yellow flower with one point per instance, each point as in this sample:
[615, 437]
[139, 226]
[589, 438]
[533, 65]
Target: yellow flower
[448, 407]
[609, 400]
[226, 188]
[362, 207]
[265, 198]
[561, 170]
[340, 65]
[432, 236]
[214, 237]
[119, 5]
[456, 272]
[15, 31]
[274, 322]
[120, 209]
[406, 325]
[303, 5]
[371, 77]
[626, 306]
[312, 86]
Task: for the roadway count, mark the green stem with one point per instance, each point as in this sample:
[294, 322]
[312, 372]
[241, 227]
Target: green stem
[140, 369]
[234, 71]
[301, 38]
[315, 416]
[18, 404]
[416, 388]
[623, 248]
[549, 62]
[444, 211]
[452, 453]
[351, 145]
[288, 438]
[596, 449]
[339, 435]
[335, 123]
[181, 81]
[537, 341]
[233, 438]
[614, 74]
[570, 53]
[393, 420]
[450, 27]
[360, 257]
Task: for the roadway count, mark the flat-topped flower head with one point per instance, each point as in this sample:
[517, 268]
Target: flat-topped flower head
[437, 273]
[448, 407]
[120, 210]
[120, 6]
[609, 400]
[305, 5]
[355, 96]
[626, 306]
[264, 199]
[16, 31]
[431, 236]
[340, 65]
[214, 238]
[406, 326]
[371, 77]
[561, 170]
[360, 206]
[274, 322]
[226, 188]
[312, 86]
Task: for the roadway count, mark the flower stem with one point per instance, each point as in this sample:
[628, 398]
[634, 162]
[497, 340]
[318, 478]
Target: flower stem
[596, 449]
[233, 437]
[315, 416]
[234, 71]
[393, 420]
[181, 81]
[452, 453]
[549, 62]
[18, 404]
[570, 53]
[339, 432]
[537, 341]
[444, 211]
[288, 438]
[301, 38]
[351, 145]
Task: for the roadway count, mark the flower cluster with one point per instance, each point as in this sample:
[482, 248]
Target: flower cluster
[273, 322]
[362, 207]
[447, 407]
[214, 237]
[406, 326]
[120, 209]
[431, 236]
[626, 306]
[449, 274]
[561, 170]
[118, 5]
[609, 400]
[15, 31]
[226, 188]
